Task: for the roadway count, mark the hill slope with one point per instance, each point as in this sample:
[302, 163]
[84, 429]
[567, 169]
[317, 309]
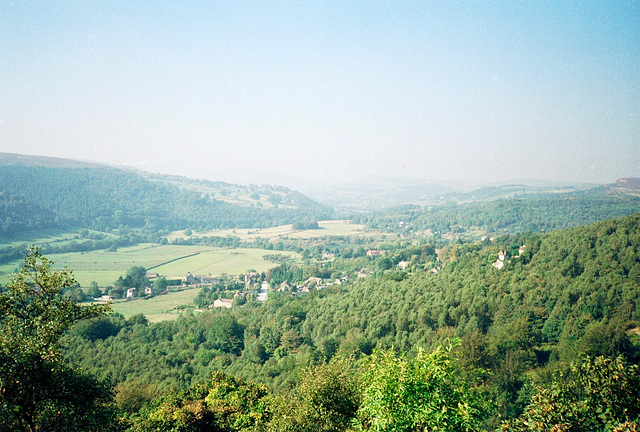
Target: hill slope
[508, 209]
[570, 292]
[49, 192]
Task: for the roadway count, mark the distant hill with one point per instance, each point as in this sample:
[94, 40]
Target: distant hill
[507, 209]
[630, 186]
[44, 161]
[506, 191]
[375, 193]
[43, 192]
[629, 183]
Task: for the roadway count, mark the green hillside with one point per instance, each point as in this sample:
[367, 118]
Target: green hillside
[489, 212]
[52, 193]
[569, 294]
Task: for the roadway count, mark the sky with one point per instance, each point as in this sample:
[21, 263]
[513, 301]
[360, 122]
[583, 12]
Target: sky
[468, 92]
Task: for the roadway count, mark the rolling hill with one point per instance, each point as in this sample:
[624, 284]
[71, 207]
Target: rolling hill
[42, 192]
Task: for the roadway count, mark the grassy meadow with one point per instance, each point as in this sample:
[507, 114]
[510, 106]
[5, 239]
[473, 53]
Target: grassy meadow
[215, 261]
[327, 228]
[163, 307]
[173, 261]
[168, 260]
[53, 237]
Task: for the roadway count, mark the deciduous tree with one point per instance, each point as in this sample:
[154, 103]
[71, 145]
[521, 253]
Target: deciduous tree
[414, 394]
[38, 391]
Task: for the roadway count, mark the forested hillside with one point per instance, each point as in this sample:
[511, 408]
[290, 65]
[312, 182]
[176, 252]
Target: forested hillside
[21, 214]
[568, 294]
[536, 212]
[43, 194]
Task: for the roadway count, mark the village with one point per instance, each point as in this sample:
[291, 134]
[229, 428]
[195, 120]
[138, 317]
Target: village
[227, 291]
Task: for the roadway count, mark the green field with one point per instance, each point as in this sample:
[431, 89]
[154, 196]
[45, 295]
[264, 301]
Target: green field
[158, 308]
[168, 260]
[327, 228]
[53, 237]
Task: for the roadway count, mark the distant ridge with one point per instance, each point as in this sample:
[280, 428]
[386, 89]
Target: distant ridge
[45, 161]
[632, 183]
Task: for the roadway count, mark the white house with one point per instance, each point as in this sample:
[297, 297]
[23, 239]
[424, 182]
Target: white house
[226, 303]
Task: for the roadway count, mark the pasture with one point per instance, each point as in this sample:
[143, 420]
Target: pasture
[52, 237]
[163, 307]
[170, 261]
[327, 228]
[215, 261]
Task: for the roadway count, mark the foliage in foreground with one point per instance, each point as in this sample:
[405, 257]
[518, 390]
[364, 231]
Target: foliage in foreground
[225, 403]
[393, 393]
[38, 391]
[325, 399]
[598, 394]
[421, 393]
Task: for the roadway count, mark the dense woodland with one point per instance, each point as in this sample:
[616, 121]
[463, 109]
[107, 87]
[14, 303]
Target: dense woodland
[535, 213]
[104, 199]
[567, 303]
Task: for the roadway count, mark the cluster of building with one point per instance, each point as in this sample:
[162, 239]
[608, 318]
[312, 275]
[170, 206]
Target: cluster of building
[503, 256]
[252, 277]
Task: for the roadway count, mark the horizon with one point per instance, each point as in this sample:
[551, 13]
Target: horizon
[369, 180]
[323, 93]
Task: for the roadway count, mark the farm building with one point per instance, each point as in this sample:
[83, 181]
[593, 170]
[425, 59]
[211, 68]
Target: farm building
[222, 303]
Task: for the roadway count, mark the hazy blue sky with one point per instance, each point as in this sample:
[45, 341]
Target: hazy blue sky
[469, 91]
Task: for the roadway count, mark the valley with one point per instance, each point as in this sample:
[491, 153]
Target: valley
[382, 216]
[511, 284]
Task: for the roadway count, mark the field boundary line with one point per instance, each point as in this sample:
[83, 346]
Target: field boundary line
[174, 260]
